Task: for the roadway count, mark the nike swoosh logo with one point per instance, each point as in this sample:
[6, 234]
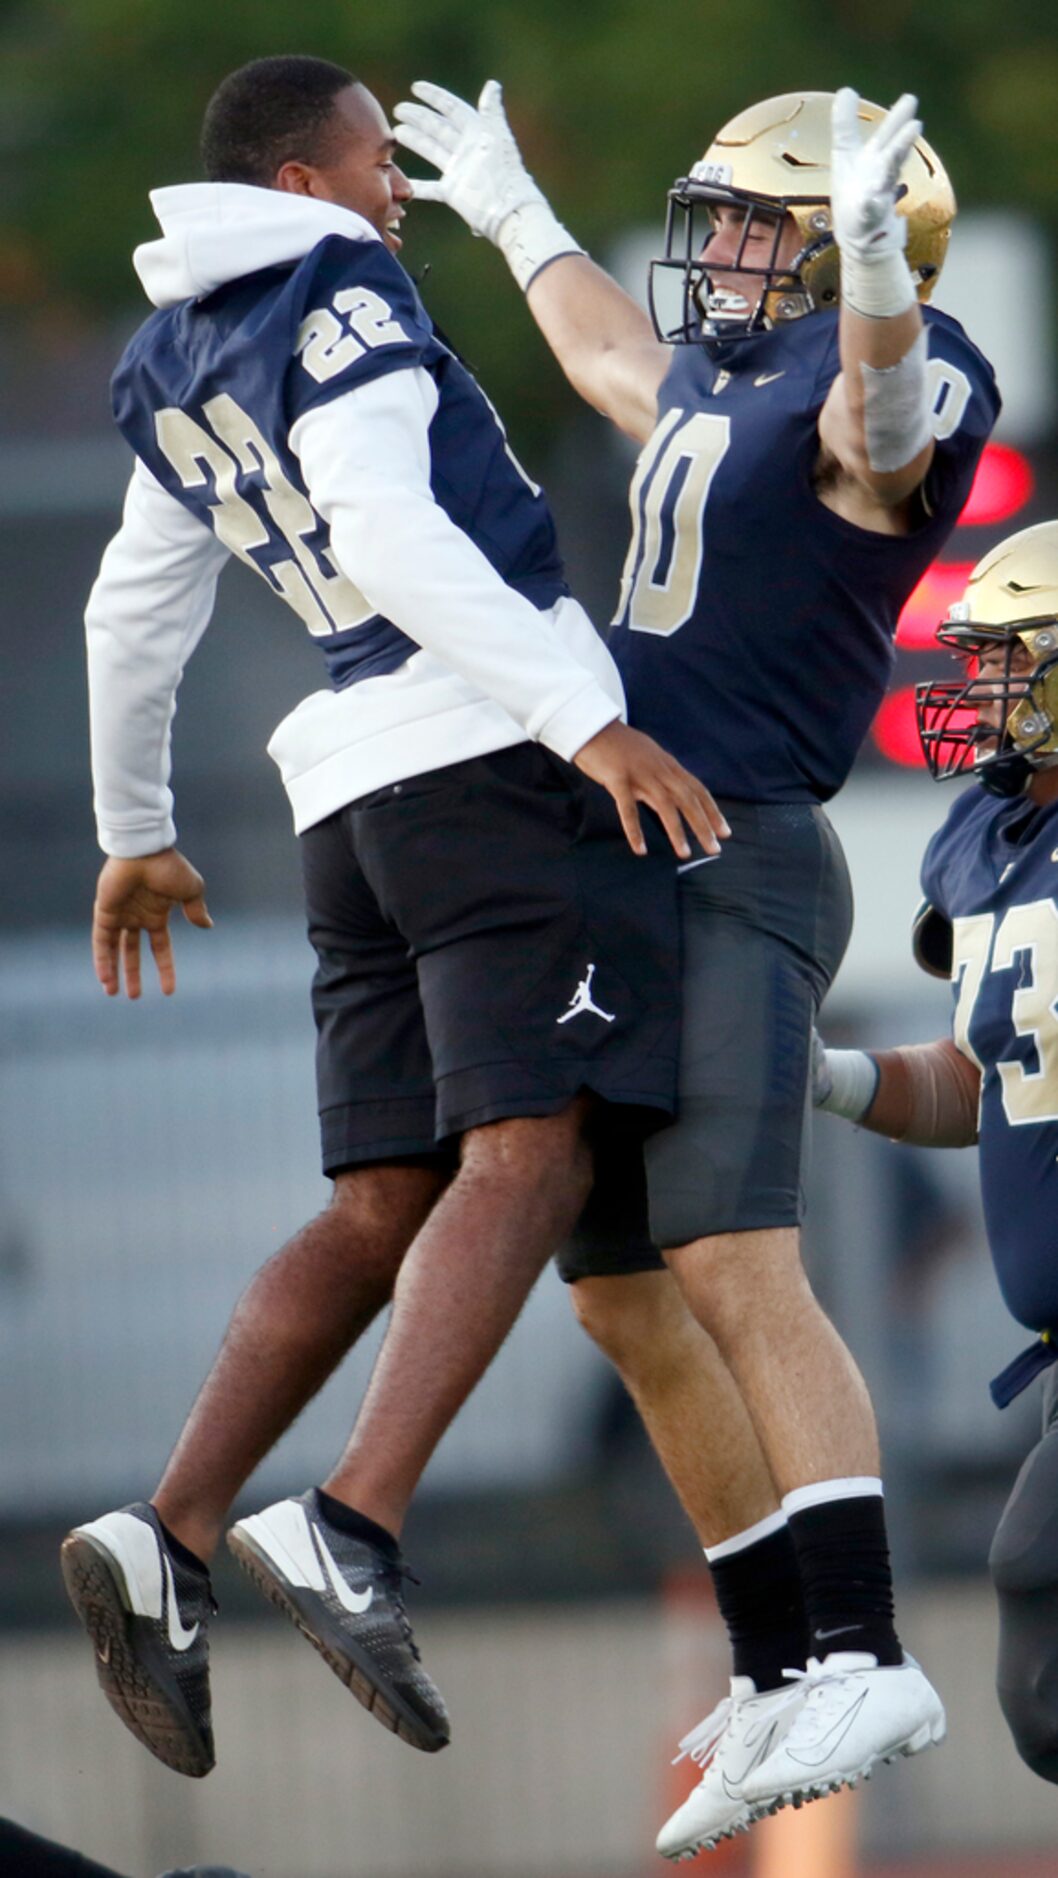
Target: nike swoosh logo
[733, 1787]
[179, 1636]
[831, 1741]
[768, 378]
[845, 1630]
[355, 1601]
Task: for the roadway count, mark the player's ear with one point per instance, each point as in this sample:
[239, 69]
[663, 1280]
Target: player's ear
[295, 179]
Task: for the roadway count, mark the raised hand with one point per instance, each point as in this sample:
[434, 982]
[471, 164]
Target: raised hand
[636, 769]
[865, 176]
[137, 896]
[482, 176]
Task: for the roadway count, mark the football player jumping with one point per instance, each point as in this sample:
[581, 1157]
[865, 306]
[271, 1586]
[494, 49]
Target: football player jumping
[990, 924]
[810, 431]
[492, 960]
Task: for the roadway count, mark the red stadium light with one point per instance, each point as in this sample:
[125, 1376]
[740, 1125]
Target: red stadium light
[895, 730]
[940, 585]
[1004, 483]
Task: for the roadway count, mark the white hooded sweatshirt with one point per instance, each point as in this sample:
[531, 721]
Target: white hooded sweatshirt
[492, 671]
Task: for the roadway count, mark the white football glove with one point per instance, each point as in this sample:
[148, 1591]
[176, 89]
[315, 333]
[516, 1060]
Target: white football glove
[865, 177]
[482, 175]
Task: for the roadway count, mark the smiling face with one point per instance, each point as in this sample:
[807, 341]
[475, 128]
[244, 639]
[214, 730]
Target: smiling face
[357, 169]
[739, 245]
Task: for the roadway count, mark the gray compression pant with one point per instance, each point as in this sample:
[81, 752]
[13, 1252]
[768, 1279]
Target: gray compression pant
[1023, 1562]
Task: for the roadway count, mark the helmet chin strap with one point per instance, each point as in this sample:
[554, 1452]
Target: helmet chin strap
[1008, 775]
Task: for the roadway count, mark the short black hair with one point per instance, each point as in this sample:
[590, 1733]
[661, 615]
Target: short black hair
[270, 112]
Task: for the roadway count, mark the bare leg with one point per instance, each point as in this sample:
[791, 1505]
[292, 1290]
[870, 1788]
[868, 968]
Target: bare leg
[290, 1329]
[805, 1396]
[520, 1188]
[687, 1398]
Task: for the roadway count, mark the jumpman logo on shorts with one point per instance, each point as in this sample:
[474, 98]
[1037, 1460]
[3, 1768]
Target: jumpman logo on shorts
[582, 1002]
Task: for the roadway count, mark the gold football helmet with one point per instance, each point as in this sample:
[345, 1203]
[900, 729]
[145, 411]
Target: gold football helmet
[1001, 721]
[773, 161]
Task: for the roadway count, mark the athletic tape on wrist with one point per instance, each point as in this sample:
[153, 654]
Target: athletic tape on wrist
[896, 408]
[530, 238]
[878, 285]
[853, 1082]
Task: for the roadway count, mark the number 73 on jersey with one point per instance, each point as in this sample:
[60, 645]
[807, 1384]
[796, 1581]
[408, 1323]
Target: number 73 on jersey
[1016, 960]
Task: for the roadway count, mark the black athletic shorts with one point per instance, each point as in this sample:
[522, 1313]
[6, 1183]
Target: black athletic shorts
[487, 944]
[764, 930]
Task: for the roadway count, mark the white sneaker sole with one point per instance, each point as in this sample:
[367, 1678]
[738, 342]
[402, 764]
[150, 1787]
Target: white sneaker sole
[710, 1840]
[929, 1735]
[150, 1710]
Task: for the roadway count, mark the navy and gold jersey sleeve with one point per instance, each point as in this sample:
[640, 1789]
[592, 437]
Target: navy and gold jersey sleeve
[356, 316]
[965, 403]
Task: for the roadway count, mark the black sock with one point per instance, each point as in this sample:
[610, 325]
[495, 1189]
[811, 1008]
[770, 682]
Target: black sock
[182, 1553]
[843, 1556]
[347, 1519]
[758, 1590]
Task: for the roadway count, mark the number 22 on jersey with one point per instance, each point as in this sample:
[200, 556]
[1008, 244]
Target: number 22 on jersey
[1025, 944]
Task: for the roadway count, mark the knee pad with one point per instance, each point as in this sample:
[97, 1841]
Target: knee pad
[1023, 1563]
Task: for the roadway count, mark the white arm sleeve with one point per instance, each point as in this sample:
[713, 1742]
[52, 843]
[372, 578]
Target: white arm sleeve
[147, 611]
[365, 457]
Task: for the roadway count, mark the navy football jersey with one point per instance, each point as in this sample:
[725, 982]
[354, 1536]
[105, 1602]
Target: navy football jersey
[208, 391]
[992, 870]
[755, 628]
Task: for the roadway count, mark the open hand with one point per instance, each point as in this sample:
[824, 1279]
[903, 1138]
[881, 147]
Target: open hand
[865, 176]
[138, 896]
[636, 769]
[482, 176]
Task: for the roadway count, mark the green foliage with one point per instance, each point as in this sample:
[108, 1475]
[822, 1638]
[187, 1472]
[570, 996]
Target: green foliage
[100, 100]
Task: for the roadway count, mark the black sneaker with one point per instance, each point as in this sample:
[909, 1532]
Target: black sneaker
[147, 1614]
[346, 1597]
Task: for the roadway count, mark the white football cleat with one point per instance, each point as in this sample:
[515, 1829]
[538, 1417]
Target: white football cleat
[854, 1714]
[743, 1730]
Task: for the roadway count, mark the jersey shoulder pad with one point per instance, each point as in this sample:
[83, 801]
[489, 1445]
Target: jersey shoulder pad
[931, 941]
[357, 316]
[952, 852]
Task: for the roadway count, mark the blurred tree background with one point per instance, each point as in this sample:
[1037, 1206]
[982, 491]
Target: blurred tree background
[100, 100]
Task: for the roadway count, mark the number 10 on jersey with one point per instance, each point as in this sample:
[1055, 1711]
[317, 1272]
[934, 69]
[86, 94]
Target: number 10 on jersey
[668, 497]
